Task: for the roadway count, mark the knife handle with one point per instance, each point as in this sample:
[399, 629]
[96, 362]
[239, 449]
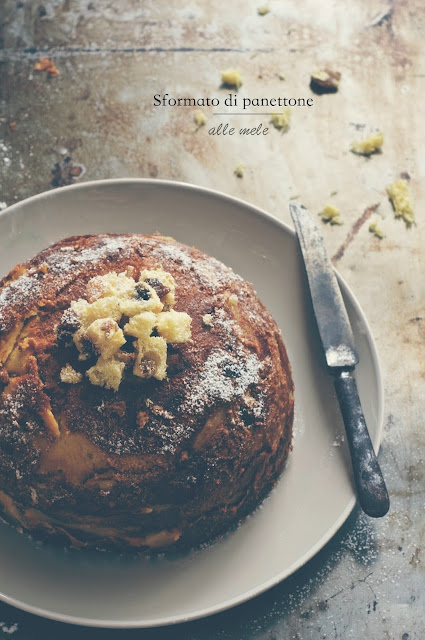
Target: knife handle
[371, 490]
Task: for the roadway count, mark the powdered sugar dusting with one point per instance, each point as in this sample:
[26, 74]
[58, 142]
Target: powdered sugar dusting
[223, 377]
[176, 254]
[23, 288]
[28, 287]
[208, 270]
[68, 259]
[171, 438]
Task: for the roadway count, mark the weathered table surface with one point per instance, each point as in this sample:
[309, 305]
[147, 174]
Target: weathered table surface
[98, 115]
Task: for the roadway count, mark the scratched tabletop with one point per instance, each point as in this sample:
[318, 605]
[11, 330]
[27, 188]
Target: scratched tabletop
[88, 112]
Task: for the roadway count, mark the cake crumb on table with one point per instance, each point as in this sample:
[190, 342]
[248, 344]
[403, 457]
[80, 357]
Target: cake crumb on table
[330, 214]
[368, 146]
[376, 230]
[398, 193]
[231, 78]
[239, 171]
[281, 120]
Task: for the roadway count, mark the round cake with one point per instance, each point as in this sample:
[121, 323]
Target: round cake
[146, 398]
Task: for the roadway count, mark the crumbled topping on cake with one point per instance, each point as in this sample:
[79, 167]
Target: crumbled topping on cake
[151, 358]
[69, 375]
[173, 326]
[107, 372]
[162, 283]
[122, 311]
[207, 320]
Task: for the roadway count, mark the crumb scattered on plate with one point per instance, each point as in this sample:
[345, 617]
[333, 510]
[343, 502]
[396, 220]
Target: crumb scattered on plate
[231, 78]
[398, 193]
[281, 120]
[369, 145]
[330, 214]
[239, 171]
[262, 11]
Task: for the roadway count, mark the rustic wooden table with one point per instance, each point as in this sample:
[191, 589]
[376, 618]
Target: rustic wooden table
[97, 119]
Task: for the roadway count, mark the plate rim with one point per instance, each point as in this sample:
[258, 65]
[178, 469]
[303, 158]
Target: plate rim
[328, 535]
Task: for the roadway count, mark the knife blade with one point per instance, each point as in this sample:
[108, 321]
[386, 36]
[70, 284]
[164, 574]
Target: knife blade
[341, 357]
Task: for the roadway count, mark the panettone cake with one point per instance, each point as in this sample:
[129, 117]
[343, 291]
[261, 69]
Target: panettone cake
[146, 398]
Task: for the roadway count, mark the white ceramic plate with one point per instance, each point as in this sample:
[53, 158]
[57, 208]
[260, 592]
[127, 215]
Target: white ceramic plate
[315, 494]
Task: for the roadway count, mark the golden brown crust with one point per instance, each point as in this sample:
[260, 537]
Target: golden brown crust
[158, 463]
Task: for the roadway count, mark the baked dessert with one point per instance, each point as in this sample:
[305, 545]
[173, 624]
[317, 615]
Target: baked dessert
[146, 398]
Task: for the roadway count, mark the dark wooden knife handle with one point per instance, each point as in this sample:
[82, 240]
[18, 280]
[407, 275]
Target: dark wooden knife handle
[370, 484]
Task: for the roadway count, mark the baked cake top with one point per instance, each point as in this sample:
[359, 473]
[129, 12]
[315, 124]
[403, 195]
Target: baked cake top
[229, 355]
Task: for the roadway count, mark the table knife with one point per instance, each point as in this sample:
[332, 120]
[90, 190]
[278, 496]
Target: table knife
[341, 357]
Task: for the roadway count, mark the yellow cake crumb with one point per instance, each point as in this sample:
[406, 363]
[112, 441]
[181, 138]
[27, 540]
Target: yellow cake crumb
[163, 284]
[231, 78]
[106, 336]
[200, 118]
[262, 11]
[119, 307]
[141, 325]
[107, 372]
[69, 375]
[398, 193]
[369, 145]
[102, 308]
[174, 326]
[120, 285]
[239, 171]
[281, 120]
[207, 320]
[376, 230]
[151, 359]
[330, 214]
